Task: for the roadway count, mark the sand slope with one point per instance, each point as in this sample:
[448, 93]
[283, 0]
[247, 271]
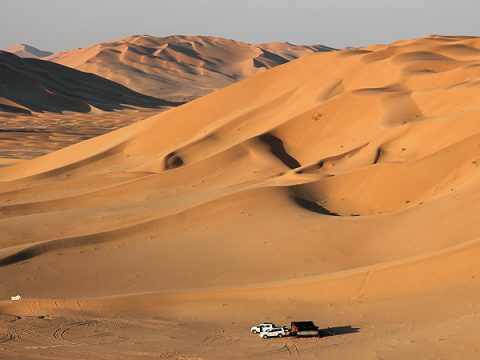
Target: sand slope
[36, 85]
[360, 148]
[179, 67]
[27, 51]
[341, 186]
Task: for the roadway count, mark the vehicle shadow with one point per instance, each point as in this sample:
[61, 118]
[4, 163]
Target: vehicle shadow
[338, 330]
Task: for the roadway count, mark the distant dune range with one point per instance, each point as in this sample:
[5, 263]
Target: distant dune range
[180, 67]
[342, 187]
[27, 51]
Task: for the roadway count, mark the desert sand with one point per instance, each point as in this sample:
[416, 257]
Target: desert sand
[28, 136]
[178, 67]
[340, 188]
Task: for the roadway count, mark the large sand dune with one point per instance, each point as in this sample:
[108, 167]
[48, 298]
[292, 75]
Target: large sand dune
[179, 67]
[34, 85]
[342, 187]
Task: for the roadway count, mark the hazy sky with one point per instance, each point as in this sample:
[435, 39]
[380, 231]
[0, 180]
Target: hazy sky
[64, 24]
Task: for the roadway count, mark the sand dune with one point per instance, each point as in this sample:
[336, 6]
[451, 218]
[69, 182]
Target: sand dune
[27, 51]
[176, 67]
[341, 186]
[36, 85]
[180, 67]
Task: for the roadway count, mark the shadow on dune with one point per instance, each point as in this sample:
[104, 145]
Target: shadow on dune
[268, 59]
[14, 109]
[20, 256]
[338, 330]
[313, 206]
[172, 161]
[278, 149]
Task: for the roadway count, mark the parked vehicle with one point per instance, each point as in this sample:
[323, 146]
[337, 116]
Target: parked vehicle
[274, 332]
[304, 328]
[261, 328]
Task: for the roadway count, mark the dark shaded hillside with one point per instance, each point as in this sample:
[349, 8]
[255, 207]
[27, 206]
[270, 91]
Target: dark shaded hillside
[34, 85]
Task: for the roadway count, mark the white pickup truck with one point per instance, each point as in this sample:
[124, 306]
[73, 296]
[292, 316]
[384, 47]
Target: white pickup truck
[261, 328]
[274, 332]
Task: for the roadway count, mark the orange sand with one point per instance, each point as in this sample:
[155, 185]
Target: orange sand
[340, 187]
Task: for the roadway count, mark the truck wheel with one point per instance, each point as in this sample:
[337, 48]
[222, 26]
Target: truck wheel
[254, 331]
[280, 335]
[265, 336]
